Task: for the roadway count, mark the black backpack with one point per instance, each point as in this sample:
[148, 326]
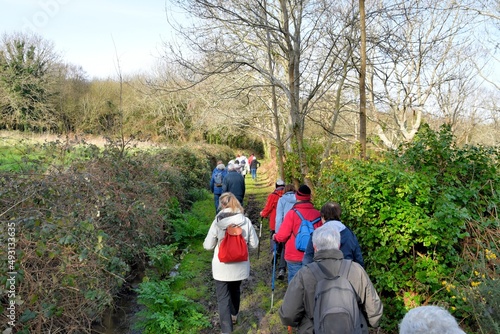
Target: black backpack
[336, 308]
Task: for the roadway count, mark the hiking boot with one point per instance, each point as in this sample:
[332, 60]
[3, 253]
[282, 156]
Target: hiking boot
[234, 318]
[281, 274]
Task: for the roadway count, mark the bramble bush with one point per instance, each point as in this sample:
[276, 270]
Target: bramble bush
[415, 212]
[83, 217]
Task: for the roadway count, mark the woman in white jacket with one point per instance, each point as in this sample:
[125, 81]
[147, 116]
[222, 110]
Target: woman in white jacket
[228, 276]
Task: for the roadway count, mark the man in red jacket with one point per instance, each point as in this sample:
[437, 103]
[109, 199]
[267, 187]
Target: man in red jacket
[270, 207]
[290, 227]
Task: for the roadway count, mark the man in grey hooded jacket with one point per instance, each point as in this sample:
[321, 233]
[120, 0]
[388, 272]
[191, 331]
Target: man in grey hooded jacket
[297, 309]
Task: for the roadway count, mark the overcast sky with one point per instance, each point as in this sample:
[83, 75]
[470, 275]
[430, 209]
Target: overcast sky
[86, 32]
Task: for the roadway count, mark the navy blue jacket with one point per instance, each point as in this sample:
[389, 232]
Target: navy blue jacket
[349, 246]
[234, 183]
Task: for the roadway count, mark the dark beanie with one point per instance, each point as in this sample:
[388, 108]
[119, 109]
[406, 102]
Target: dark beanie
[303, 194]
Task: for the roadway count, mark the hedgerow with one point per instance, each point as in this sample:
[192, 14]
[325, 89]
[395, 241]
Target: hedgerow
[82, 222]
[423, 215]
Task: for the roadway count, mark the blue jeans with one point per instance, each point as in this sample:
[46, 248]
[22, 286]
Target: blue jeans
[254, 173]
[293, 267]
[216, 202]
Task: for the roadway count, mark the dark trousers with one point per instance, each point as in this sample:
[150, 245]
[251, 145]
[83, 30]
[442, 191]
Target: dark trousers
[281, 253]
[228, 302]
[216, 202]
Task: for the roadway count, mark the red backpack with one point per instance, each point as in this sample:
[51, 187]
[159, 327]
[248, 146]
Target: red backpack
[233, 247]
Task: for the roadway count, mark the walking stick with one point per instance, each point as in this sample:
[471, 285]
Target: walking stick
[274, 273]
[260, 236]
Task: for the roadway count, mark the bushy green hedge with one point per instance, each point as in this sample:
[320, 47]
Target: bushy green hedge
[414, 212]
[79, 227]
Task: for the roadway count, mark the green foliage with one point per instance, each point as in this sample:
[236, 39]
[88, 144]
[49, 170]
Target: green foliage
[83, 222]
[313, 152]
[161, 258]
[167, 311]
[26, 72]
[411, 213]
[194, 162]
[248, 144]
[169, 303]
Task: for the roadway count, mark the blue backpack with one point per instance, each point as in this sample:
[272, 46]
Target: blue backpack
[306, 228]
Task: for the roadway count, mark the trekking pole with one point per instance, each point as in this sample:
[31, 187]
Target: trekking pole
[260, 236]
[274, 272]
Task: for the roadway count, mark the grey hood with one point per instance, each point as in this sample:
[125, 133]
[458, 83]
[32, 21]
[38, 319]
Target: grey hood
[226, 218]
[289, 197]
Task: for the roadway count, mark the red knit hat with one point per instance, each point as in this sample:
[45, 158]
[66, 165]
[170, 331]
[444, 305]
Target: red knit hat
[303, 194]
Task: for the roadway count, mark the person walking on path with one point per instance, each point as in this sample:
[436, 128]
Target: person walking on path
[234, 183]
[243, 165]
[269, 210]
[290, 227]
[228, 276]
[297, 309]
[250, 158]
[216, 180]
[285, 203]
[349, 245]
[253, 167]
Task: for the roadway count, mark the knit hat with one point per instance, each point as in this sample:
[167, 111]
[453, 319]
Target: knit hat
[280, 183]
[303, 194]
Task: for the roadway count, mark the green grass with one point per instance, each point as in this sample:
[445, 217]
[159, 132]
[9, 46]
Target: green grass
[18, 157]
[195, 272]
[24, 156]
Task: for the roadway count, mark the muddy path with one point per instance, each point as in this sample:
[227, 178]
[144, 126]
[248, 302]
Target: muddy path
[256, 315]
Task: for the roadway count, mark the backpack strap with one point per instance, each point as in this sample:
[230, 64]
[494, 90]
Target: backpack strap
[297, 212]
[345, 266]
[302, 218]
[314, 221]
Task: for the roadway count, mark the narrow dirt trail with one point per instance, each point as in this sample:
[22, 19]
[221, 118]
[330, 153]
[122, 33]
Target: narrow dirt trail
[256, 315]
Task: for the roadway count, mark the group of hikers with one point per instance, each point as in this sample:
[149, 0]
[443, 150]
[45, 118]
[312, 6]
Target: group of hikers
[328, 289]
[232, 178]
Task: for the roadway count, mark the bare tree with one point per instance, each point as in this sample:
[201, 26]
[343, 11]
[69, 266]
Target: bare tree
[278, 44]
[416, 48]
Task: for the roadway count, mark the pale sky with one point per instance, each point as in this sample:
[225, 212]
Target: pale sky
[86, 32]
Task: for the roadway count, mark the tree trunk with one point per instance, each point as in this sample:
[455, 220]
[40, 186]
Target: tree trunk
[362, 78]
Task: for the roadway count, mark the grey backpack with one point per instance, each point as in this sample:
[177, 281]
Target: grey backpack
[336, 308]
